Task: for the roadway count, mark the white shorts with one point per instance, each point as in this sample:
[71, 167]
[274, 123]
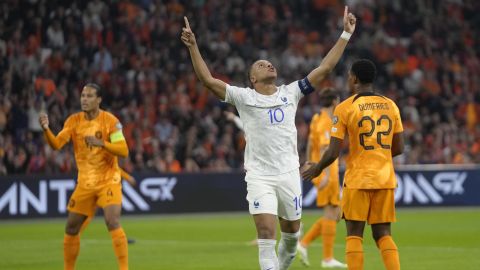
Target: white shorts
[279, 195]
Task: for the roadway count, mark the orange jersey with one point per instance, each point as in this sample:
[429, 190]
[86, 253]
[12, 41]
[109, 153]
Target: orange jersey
[96, 166]
[319, 138]
[370, 120]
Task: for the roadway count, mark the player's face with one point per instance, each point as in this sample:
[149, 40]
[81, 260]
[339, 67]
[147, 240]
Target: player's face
[89, 99]
[263, 70]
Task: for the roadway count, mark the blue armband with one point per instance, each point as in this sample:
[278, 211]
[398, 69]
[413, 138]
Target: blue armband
[305, 86]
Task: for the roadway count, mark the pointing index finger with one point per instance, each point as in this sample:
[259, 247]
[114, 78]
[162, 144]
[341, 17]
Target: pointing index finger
[186, 22]
[345, 12]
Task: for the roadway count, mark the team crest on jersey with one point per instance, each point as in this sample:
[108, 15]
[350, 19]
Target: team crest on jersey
[284, 99]
[118, 125]
[335, 119]
[98, 134]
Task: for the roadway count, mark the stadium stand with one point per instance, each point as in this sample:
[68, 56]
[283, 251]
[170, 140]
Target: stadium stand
[428, 64]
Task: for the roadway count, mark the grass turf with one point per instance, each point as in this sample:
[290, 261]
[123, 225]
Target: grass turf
[441, 239]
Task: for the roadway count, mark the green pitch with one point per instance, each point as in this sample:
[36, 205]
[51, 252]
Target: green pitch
[446, 238]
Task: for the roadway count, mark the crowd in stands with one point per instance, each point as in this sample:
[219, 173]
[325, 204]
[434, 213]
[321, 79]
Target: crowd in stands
[427, 53]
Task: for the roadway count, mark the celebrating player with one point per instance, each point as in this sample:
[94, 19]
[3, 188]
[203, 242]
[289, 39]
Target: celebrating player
[271, 157]
[328, 189]
[375, 133]
[97, 141]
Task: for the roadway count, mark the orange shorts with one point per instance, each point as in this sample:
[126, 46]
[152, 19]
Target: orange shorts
[371, 205]
[85, 201]
[329, 195]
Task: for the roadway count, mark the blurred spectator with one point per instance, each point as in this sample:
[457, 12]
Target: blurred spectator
[427, 54]
[55, 35]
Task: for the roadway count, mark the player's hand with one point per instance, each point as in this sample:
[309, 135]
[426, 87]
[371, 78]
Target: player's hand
[132, 181]
[92, 141]
[310, 170]
[306, 166]
[188, 38]
[43, 120]
[349, 21]
[229, 115]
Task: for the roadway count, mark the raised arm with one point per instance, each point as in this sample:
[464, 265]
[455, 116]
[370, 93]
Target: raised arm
[216, 86]
[333, 56]
[56, 142]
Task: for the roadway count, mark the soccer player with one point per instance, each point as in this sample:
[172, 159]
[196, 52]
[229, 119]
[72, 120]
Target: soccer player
[375, 135]
[327, 183]
[271, 157]
[97, 141]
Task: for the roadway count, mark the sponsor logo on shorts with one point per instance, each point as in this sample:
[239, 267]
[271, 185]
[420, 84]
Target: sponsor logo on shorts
[71, 203]
[109, 193]
[98, 134]
[256, 204]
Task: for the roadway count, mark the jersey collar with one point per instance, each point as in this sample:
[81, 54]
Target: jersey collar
[366, 94]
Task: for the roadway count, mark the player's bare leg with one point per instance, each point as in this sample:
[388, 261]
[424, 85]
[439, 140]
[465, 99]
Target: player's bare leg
[354, 246]
[266, 233]
[119, 239]
[287, 248]
[382, 235]
[71, 240]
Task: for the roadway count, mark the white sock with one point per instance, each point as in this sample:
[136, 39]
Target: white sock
[267, 256]
[287, 249]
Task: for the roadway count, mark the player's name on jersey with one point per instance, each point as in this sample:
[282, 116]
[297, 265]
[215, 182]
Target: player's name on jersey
[373, 106]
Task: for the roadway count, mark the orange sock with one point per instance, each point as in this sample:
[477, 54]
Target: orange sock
[389, 253]
[354, 253]
[71, 248]
[329, 229]
[119, 241]
[313, 233]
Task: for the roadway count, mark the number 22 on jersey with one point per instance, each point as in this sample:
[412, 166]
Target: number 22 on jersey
[383, 127]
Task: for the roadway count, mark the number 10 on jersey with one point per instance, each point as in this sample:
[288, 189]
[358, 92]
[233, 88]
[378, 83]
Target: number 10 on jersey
[276, 115]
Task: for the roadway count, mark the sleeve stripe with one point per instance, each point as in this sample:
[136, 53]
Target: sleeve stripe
[305, 87]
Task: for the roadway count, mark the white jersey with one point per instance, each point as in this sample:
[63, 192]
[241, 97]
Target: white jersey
[269, 126]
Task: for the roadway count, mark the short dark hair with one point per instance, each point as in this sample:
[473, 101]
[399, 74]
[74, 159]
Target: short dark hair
[97, 88]
[327, 96]
[364, 70]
